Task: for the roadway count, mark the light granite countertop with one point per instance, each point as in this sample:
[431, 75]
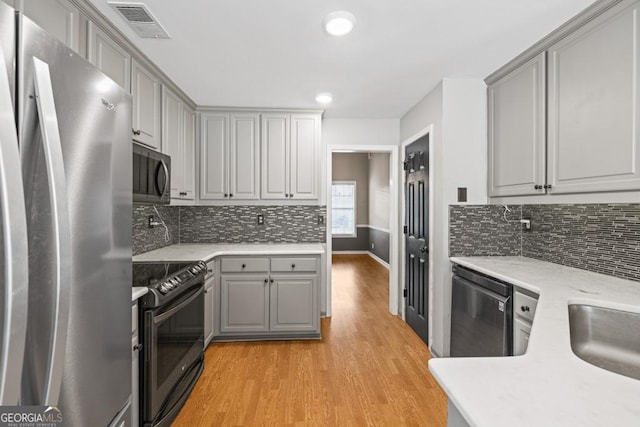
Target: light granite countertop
[549, 385]
[137, 292]
[205, 252]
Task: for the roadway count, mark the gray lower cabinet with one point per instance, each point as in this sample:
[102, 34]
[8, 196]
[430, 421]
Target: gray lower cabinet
[244, 303]
[293, 303]
[208, 311]
[268, 297]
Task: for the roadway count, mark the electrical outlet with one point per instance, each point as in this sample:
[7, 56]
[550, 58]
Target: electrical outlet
[373, 245]
[320, 219]
[152, 222]
[260, 219]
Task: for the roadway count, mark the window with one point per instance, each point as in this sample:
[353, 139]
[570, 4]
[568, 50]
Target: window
[343, 209]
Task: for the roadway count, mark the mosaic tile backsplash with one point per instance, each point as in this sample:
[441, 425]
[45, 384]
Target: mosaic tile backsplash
[239, 224]
[147, 239]
[481, 230]
[604, 238]
[228, 224]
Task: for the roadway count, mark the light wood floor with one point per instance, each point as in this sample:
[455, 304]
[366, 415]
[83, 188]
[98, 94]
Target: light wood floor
[369, 369]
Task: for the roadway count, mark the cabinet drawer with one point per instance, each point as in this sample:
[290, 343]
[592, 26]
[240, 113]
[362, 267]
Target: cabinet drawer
[294, 265]
[524, 306]
[244, 265]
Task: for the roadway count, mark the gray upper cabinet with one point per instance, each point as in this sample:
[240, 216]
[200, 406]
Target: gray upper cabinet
[517, 131]
[230, 159]
[178, 140]
[108, 56]
[145, 90]
[59, 18]
[594, 95]
[590, 140]
[290, 156]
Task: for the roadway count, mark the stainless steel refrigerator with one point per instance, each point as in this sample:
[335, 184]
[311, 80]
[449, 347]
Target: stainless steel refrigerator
[65, 240]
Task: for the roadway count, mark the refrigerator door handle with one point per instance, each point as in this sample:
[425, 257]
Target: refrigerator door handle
[52, 147]
[16, 254]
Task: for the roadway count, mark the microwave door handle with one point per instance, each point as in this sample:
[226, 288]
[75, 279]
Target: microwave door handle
[52, 148]
[14, 231]
[166, 178]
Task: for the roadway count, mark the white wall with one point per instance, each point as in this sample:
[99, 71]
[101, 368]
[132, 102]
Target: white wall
[456, 110]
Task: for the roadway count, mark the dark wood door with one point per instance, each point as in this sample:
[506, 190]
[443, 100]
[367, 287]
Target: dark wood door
[416, 167]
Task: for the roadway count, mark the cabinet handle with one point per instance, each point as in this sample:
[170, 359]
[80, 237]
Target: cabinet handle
[136, 132]
[137, 347]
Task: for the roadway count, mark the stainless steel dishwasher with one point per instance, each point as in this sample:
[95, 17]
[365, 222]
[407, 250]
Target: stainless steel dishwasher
[481, 315]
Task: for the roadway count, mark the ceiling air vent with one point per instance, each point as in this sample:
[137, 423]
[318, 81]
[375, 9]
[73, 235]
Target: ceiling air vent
[140, 19]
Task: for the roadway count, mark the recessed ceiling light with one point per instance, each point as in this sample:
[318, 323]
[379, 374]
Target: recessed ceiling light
[324, 98]
[339, 23]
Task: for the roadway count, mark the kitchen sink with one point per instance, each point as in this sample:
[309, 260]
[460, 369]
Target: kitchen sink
[607, 338]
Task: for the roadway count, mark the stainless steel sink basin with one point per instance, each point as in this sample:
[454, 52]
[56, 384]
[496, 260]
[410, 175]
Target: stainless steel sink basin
[607, 338]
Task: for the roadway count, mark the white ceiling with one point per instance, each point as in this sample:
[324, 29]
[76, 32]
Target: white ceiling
[257, 53]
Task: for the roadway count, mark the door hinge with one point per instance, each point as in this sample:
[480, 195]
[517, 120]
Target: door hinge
[405, 229]
[404, 292]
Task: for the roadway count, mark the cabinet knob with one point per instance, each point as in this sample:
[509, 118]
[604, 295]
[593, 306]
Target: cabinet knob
[547, 187]
[537, 187]
[525, 308]
[136, 132]
[244, 265]
[291, 195]
[266, 280]
[270, 280]
[286, 195]
[231, 195]
[226, 195]
[206, 291]
[293, 266]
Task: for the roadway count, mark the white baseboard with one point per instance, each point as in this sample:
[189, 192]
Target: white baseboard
[375, 257]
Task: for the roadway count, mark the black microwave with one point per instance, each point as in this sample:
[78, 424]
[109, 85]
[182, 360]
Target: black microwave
[151, 176]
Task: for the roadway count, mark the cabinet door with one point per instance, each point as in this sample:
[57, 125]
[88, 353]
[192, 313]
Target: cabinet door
[294, 303]
[145, 90]
[594, 95]
[59, 18]
[208, 314]
[172, 142]
[109, 56]
[213, 156]
[244, 303]
[517, 131]
[521, 332]
[188, 153]
[244, 157]
[304, 162]
[275, 164]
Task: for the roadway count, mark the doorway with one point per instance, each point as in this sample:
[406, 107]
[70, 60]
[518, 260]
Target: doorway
[392, 214]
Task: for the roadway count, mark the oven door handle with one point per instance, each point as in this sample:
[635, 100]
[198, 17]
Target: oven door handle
[172, 311]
